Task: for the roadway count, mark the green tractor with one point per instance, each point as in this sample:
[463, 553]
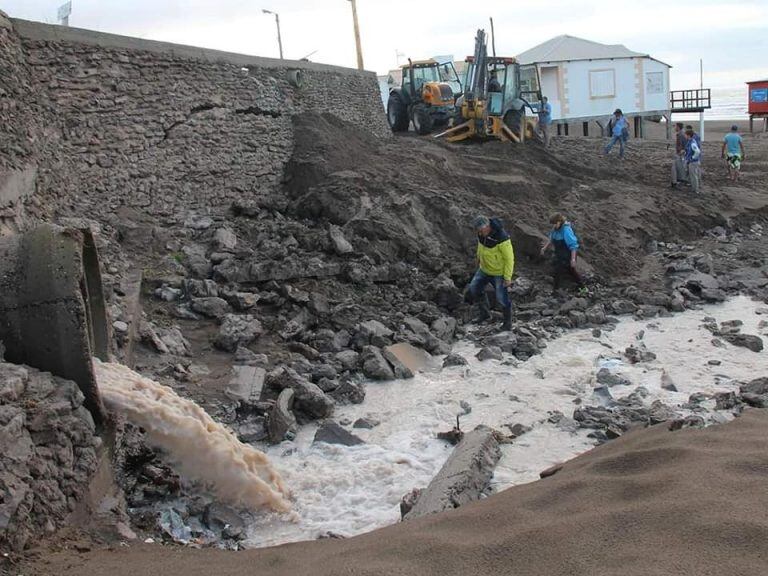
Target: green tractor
[425, 96]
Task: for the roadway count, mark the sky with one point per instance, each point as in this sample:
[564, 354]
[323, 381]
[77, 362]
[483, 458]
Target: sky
[731, 36]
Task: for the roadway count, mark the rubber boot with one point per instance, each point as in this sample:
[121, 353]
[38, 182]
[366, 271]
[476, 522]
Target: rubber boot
[507, 324]
[483, 312]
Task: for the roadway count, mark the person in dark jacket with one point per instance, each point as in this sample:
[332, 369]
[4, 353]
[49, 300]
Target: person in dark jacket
[496, 264]
[566, 247]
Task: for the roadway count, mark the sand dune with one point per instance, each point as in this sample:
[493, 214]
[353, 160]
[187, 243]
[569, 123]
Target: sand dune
[654, 502]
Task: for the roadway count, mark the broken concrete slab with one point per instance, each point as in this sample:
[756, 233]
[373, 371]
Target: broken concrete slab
[464, 477]
[246, 383]
[415, 359]
[282, 423]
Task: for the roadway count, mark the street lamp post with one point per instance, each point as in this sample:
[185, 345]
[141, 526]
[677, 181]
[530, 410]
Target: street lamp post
[279, 38]
[357, 36]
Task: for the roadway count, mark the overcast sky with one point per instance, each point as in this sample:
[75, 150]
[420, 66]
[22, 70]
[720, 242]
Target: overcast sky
[731, 36]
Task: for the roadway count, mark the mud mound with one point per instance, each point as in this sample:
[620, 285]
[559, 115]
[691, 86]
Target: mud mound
[412, 198]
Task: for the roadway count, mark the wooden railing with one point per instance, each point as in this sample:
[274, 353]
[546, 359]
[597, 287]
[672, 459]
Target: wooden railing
[696, 100]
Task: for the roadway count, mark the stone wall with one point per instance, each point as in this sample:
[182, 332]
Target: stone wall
[49, 453]
[118, 121]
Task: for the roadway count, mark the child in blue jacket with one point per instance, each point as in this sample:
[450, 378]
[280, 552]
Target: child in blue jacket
[566, 247]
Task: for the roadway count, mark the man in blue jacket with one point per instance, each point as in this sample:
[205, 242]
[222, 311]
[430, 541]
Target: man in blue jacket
[619, 132]
[693, 159]
[566, 247]
[545, 119]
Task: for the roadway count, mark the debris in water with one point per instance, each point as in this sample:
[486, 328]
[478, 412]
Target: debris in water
[200, 447]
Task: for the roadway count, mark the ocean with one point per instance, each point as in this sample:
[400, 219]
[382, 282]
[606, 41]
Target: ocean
[727, 103]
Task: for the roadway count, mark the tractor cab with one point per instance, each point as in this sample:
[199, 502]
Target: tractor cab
[505, 89]
[426, 96]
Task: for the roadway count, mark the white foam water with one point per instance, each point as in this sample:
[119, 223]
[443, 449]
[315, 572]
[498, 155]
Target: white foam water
[351, 490]
[200, 448]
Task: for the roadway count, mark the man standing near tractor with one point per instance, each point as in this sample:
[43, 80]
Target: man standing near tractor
[496, 264]
[545, 119]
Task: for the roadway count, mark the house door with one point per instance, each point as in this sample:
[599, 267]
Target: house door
[550, 89]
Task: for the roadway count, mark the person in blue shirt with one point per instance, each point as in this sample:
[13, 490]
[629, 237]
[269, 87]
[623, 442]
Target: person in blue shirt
[733, 152]
[693, 159]
[619, 132]
[545, 119]
[566, 247]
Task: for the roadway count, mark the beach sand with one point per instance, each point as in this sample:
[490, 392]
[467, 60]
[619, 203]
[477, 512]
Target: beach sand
[654, 502]
[713, 129]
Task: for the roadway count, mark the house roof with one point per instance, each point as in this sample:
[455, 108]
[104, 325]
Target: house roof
[757, 81]
[565, 48]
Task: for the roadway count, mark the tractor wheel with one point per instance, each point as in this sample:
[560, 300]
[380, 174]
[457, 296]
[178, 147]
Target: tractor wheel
[514, 120]
[422, 120]
[397, 114]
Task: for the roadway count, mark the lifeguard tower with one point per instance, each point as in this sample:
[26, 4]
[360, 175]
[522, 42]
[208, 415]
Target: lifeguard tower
[758, 103]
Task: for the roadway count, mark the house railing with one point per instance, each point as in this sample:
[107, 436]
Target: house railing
[696, 100]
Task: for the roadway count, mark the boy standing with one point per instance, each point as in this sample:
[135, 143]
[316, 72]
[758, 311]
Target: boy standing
[733, 152]
[693, 160]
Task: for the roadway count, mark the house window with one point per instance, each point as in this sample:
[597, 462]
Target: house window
[602, 83]
[654, 83]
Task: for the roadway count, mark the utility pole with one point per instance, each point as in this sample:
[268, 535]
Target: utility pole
[279, 38]
[357, 36]
[701, 86]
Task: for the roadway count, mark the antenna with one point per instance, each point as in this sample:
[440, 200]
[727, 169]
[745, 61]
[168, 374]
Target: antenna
[493, 39]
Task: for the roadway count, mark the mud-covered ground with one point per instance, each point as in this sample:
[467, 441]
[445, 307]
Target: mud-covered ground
[370, 243]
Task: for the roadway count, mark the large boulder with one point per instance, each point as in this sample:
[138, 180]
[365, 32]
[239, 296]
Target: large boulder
[755, 393]
[331, 432]
[375, 366]
[224, 240]
[340, 244]
[309, 400]
[212, 307]
[237, 331]
[754, 343]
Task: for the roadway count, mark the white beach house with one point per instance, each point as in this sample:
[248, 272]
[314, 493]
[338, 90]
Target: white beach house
[586, 80]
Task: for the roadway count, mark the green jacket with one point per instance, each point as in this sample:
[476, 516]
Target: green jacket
[495, 253]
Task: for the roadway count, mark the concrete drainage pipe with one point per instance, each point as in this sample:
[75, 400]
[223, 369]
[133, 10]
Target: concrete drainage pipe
[52, 311]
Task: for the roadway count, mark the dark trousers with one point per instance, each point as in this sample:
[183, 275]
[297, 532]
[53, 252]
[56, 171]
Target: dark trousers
[479, 282]
[562, 269]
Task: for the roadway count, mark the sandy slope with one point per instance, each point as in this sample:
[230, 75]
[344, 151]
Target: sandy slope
[654, 502]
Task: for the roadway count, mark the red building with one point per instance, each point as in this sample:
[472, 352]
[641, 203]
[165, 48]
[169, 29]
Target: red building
[758, 102]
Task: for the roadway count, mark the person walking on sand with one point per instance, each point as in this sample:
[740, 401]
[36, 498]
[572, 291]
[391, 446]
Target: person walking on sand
[679, 173]
[496, 264]
[693, 160]
[619, 132]
[733, 152]
[545, 120]
[566, 247]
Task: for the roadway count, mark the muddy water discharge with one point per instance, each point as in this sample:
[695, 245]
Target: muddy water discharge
[200, 448]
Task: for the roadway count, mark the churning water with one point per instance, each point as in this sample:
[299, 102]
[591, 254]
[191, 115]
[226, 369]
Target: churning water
[200, 448]
[350, 490]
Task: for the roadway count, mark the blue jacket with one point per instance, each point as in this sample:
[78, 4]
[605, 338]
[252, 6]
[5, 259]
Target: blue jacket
[693, 150]
[564, 241]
